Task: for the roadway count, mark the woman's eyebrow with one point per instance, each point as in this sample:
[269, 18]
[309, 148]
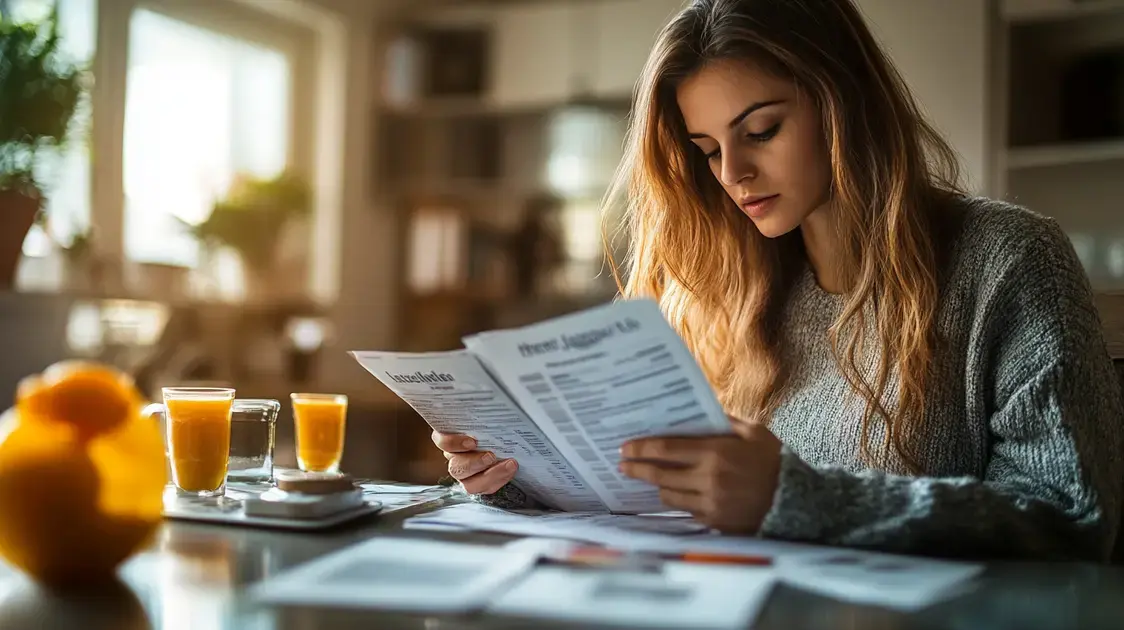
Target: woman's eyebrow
[740, 117]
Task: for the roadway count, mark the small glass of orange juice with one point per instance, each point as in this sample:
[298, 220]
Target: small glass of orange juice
[320, 420]
[198, 438]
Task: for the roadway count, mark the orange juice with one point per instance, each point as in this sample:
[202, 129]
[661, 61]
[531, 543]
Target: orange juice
[199, 441]
[320, 421]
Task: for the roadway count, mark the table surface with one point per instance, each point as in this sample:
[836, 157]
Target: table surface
[194, 578]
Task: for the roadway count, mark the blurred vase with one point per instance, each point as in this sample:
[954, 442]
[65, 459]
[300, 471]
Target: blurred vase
[17, 215]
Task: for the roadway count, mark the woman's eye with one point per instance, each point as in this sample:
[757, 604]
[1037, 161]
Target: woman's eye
[713, 155]
[766, 135]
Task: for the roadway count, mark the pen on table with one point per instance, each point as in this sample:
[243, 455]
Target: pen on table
[703, 557]
[604, 557]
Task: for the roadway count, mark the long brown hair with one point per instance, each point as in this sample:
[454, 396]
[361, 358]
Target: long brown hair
[721, 283]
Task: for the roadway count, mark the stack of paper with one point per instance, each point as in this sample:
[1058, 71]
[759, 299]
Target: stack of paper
[665, 531]
[412, 575]
[561, 397]
[897, 582]
[889, 581]
[402, 575]
[678, 596]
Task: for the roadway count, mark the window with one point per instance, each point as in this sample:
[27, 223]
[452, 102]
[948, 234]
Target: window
[64, 175]
[580, 225]
[584, 148]
[585, 145]
[201, 109]
[436, 250]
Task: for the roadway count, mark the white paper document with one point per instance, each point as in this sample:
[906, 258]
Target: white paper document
[454, 394]
[402, 575]
[561, 397]
[904, 583]
[618, 530]
[400, 488]
[875, 579]
[678, 596]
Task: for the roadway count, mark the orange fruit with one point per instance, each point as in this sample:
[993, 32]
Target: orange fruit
[82, 476]
[92, 397]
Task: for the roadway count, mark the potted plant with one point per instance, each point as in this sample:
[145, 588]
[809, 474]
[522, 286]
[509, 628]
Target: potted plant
[39, 91]
[251, 220]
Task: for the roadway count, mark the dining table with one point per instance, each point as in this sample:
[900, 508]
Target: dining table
[197, 576]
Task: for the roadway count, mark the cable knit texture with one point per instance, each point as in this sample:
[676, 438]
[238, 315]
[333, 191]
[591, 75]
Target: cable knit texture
[1021, 455]
[1022, 450]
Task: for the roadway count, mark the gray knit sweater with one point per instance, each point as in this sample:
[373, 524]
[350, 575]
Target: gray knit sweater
[1024, 439]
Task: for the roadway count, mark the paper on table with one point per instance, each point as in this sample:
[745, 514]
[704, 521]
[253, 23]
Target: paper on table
[454, 394]
[890, 581]
[400, 574]
[396, 497]
[679, 596]
[904, 583]
[599, 378]
[398, 488]
[623, 530]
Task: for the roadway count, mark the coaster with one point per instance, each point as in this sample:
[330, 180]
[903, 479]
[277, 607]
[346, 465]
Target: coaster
[229, 510]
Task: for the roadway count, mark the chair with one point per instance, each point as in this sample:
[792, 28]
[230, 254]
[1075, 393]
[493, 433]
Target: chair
[1118, 547]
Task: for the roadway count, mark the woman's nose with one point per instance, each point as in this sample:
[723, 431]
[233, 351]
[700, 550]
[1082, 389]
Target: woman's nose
[736, 169]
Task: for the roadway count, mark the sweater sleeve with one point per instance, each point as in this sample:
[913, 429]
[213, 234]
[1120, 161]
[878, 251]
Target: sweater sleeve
[1053, 479]
[508, 497]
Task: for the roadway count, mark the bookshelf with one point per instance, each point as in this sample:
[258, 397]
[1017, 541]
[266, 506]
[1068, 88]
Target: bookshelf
[1059, 93]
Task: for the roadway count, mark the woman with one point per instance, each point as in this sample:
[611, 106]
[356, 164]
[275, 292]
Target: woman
[907, 368]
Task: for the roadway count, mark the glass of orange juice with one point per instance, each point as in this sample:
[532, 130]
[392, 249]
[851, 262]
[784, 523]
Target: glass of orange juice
[198, 438]
[320, 420]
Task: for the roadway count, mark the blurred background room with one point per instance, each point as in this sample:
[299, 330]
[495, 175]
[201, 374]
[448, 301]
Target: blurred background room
[251, 188]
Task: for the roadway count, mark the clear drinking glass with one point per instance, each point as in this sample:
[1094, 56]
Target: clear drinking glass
[197, 421]
[320, 421]
[253, 427]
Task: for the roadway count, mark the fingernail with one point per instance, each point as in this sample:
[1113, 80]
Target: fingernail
[489, 459]
[509, 464]
[469, 443]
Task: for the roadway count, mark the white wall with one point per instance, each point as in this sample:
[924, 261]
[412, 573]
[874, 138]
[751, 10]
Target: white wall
[365, 311]
[941, 48]
[356, 267]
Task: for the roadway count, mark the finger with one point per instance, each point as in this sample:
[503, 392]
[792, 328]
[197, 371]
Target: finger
[491, 480]
[687, 501]
[682, 451]
[681, 479]
[453, 442]
[463, 466]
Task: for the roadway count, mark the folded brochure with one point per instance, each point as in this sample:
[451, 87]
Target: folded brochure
[561, 397]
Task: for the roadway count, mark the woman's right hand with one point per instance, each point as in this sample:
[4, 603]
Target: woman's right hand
[478, 471]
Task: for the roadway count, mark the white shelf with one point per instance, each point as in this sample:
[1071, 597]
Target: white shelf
[1065, 154]
[1045, 10]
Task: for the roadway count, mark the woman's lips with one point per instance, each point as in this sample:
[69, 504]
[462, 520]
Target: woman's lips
[757, 206]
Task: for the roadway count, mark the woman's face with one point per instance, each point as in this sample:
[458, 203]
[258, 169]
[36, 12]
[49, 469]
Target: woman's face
[763, 141]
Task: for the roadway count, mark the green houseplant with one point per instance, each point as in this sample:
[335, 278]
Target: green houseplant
[252, 218]
[39, 91]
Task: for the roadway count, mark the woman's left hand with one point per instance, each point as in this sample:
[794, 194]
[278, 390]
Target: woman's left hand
[726, 482]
